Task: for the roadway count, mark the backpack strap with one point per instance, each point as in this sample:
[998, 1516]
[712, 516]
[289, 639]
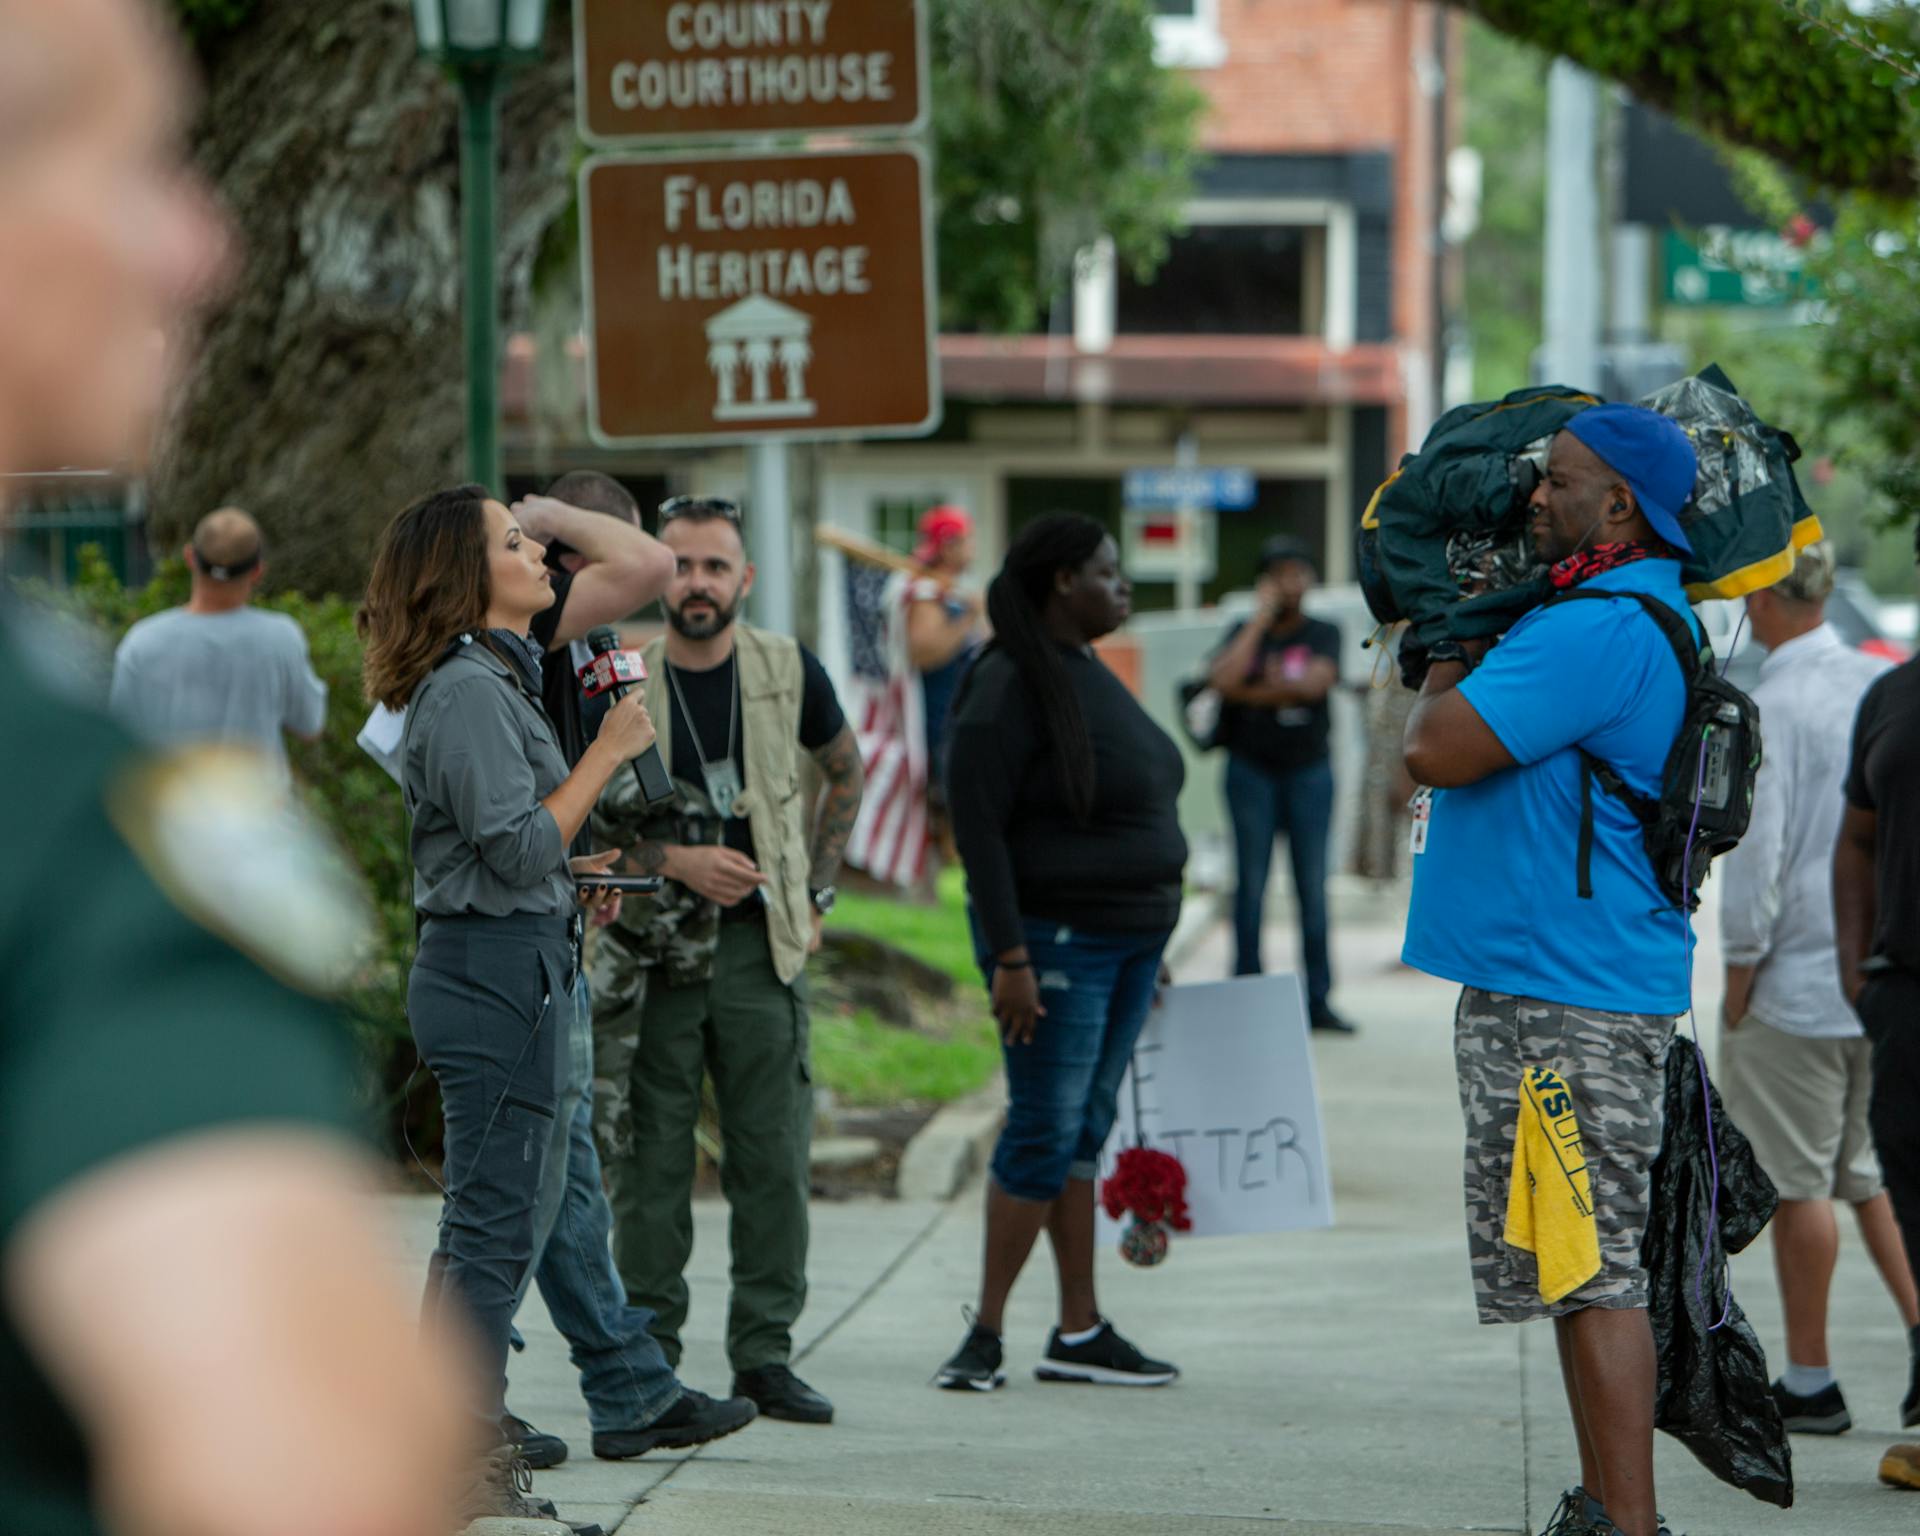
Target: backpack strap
[1679, 635]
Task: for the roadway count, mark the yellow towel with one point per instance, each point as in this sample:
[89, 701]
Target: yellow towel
[1550, 1201]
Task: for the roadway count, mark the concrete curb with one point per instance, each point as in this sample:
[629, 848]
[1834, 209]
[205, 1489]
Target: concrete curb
[950, 1148]
[502, 1527]
[946, 1152]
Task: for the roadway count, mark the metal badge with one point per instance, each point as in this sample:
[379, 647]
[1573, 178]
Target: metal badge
[723, 784]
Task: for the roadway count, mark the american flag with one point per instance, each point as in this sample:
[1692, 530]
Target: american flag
[890, 838]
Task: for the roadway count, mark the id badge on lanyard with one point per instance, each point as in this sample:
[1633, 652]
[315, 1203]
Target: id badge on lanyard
[1422, 807]
[723, 784]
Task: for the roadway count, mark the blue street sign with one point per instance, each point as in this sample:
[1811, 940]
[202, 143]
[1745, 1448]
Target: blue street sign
[1207, 490]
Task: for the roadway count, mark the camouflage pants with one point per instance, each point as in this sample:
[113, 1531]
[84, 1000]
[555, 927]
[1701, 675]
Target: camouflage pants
[1615, 1066]
[619, 984]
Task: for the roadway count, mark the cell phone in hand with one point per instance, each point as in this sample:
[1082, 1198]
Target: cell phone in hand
[625, 884]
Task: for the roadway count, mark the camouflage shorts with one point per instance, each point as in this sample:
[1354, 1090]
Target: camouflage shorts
[1615, 1065]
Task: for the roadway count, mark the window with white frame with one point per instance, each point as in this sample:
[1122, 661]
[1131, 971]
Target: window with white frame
[1186, 34]
[1250, 267]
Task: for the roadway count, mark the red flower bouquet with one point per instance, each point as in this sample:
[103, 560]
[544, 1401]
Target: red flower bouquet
[1151, 1187]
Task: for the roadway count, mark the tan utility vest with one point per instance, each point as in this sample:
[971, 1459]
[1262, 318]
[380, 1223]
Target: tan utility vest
[771, 683]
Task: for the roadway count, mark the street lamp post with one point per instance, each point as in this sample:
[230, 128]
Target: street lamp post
[478, 42]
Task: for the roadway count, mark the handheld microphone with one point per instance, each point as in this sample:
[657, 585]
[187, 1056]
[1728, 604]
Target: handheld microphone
[614, 669]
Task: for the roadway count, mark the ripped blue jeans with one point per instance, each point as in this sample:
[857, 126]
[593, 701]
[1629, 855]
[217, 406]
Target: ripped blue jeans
[1097, 989]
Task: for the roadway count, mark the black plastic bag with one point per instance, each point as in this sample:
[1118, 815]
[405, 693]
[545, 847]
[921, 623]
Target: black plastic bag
[1714, 1394]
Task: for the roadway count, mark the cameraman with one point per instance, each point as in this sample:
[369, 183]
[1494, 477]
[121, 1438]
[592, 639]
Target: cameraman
[1584, 980]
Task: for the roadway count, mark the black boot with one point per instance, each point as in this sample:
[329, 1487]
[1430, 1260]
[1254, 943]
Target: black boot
[780, 1394]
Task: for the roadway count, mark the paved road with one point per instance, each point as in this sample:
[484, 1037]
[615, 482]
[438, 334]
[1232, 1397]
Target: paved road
[1335, 1382]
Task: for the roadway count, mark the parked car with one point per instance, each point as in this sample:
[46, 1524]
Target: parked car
[1853, 611]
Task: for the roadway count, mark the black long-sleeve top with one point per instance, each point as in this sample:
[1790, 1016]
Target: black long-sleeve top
[1025, 854]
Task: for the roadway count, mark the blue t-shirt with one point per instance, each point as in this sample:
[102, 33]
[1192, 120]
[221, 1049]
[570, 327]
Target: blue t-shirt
[1496, 900]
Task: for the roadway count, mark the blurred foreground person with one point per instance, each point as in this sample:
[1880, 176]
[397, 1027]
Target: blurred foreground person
[218, 668]
[1065, 797]
[451, 600]
[199, 1329]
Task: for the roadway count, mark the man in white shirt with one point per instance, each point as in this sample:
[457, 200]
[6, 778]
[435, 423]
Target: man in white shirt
[1796, 1066]
[219, 669]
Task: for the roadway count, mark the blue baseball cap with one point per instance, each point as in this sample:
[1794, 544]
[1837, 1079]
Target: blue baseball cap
[1650, 453]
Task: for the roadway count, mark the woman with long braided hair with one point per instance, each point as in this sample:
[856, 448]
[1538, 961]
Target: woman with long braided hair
[1064, 800]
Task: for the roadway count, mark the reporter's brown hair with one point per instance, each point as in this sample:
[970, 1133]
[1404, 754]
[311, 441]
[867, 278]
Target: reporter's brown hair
[429, 584]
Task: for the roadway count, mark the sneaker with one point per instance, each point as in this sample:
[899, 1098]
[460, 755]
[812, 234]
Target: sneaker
[779, 1394]
[1328, 1022]
[1105, 1358]
[1900, 1467]
[1824, 1413]
[975, 1365]
[693, 1420]
[538, 1451]
[1574, 1514]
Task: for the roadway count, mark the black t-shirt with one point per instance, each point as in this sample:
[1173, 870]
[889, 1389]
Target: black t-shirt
[709, 696]
[1885, 778]
[1283, 739]
[559, 674]
[1026, 855]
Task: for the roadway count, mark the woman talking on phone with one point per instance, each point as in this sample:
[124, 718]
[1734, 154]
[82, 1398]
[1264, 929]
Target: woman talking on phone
[452, 596]
[1064, 807]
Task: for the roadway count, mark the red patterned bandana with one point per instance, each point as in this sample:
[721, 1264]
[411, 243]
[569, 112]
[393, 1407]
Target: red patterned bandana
[1589, 563]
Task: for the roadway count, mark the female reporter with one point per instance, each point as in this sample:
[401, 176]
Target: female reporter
[1064, 808]
[453, 593]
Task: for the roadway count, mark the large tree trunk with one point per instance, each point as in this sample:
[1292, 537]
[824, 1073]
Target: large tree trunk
[329, 391]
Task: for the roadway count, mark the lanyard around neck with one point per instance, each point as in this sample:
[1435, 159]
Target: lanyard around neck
[733, 711]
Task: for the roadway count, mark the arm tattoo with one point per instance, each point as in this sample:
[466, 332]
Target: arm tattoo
[839, 762]
[644, 859]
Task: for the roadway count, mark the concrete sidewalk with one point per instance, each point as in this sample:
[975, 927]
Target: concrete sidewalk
[1335, 1383]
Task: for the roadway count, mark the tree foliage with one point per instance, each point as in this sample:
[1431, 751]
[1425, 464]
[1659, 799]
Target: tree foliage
[1816, 87]
[1053, 125]
[1505, 100]
[329, 389]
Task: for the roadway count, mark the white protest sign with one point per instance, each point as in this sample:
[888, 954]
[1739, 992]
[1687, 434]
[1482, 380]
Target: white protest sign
[1223, 1079]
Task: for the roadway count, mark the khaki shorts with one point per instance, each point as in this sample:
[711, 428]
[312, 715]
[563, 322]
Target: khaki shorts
[1615, 1066]
[1803, 1105]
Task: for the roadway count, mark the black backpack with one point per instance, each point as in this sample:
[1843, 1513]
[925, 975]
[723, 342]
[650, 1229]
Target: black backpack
[1706, 789]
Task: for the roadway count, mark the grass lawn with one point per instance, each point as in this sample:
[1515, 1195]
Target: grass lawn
[867, 1063]
[936, 934]
[954, 1052]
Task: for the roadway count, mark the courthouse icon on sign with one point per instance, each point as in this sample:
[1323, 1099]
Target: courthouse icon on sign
[760, 344]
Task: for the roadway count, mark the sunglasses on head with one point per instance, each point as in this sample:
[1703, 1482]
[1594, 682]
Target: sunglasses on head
[698, 506]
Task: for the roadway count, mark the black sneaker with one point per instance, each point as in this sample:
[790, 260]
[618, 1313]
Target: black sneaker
[1574, 1514]
[1824, 1413]
[1106, 1358]
[693, 1420]
[538, 1451]
[975, 1365]
[1330, 1023]
[779, 1394]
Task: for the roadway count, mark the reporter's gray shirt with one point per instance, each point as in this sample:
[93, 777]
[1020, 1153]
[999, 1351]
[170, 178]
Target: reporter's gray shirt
[479, 756]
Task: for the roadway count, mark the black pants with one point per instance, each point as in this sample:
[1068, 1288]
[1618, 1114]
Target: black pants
[1890, 1010]
[489, 1001]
